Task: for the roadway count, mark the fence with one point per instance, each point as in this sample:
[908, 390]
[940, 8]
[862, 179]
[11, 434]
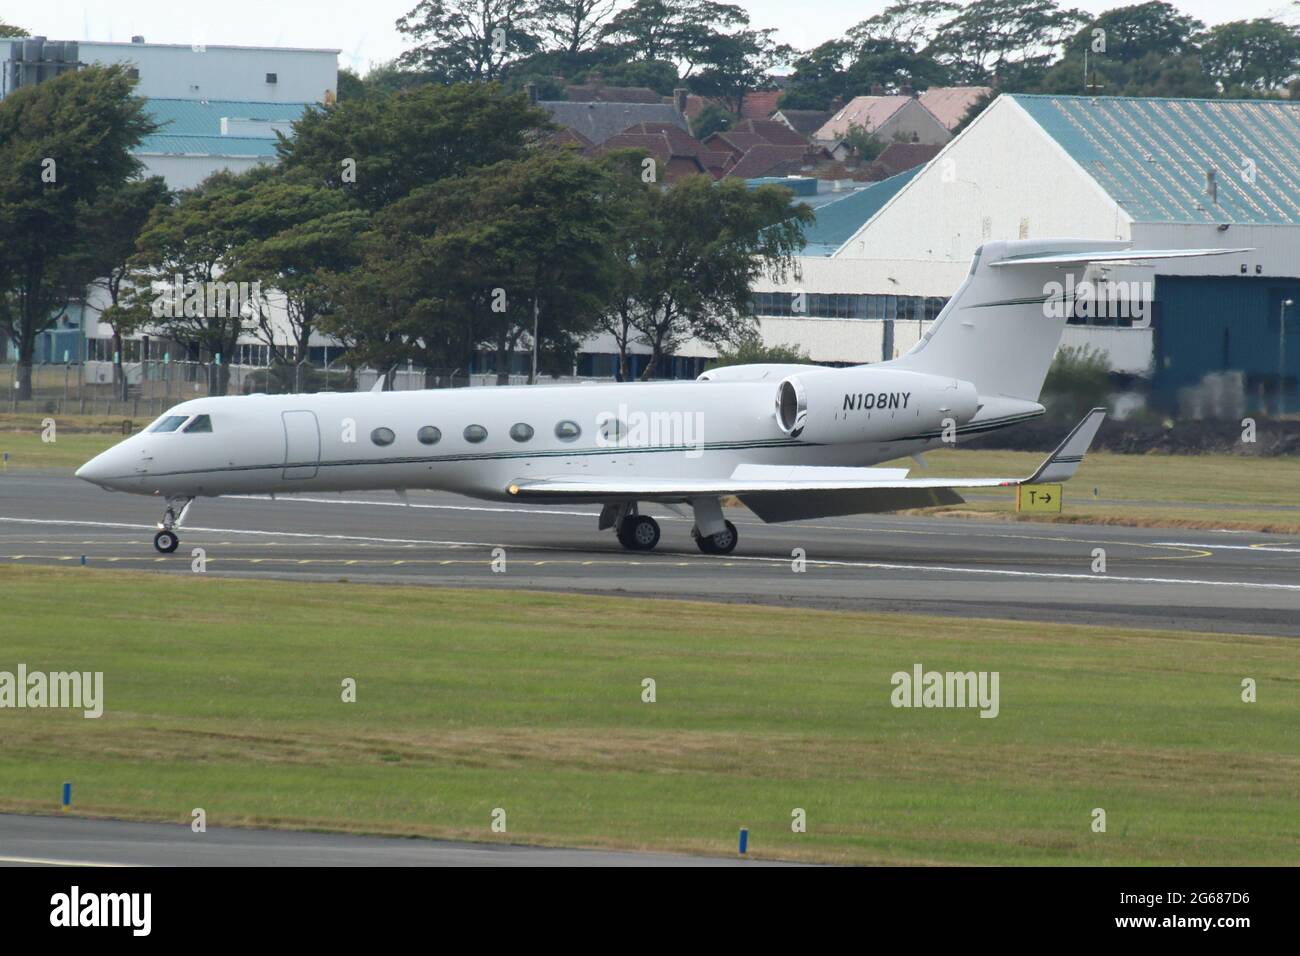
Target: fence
[154, 386]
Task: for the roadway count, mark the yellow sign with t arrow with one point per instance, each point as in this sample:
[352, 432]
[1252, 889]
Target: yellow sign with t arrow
[1038, 498]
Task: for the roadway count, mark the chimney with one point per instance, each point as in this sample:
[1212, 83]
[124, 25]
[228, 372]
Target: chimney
[906, 89]
[877, 89]
[1212, 184]
[531, 89]
[679, 100]
[137, 39]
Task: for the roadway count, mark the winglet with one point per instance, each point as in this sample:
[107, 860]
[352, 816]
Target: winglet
[1061, 464]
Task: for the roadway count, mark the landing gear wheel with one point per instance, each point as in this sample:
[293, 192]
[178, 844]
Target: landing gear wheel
[166, 541]
[638, 533]
[724, 542]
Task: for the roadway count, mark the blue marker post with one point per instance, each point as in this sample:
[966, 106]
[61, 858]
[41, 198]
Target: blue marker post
[67, 796]
[744, 840]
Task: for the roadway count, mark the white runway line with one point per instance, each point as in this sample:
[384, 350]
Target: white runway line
[1232, 547]
[44, 861]
[866, 565]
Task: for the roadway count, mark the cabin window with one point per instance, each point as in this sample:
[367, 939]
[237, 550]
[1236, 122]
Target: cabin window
[383, 436]
[168, 423]
[428, 435]
[475, 433]
[521, 431]
[201, 423]
[567, 430]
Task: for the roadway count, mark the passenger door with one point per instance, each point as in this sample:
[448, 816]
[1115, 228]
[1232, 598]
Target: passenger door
[301, 444]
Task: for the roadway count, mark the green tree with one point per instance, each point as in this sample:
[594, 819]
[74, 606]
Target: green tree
[866, 144]
[318, 236]
[695, 255]
[480, 258]
[9, 30]
[752, 351]
[114, 222]
[573, 25]
[469, 41]
[712, 119]
[1255, 56]
[196, 239]
[381, 148]
[1012, 40]
[1077, 380]
[63, 143]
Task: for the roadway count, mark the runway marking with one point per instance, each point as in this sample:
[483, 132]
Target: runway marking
[868, 565]
[1278, 549]
[45, 861]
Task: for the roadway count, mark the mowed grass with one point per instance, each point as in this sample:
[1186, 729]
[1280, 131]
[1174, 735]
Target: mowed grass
[226, 695]
[77, 439]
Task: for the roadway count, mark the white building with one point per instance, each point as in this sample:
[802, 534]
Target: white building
[1163, 173]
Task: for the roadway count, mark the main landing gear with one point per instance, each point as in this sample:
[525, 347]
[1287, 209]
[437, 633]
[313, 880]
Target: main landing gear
[166, 540]
[638, 532]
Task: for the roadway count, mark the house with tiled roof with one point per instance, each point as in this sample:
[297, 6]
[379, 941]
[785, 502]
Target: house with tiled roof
[804, 122]
[899, 157]
[950, 104]
[886, 117]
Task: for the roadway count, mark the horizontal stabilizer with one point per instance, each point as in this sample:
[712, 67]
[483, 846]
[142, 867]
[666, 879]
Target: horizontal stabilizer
[1122, 255]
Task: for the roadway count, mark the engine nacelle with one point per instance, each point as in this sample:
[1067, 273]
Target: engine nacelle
[834, 405]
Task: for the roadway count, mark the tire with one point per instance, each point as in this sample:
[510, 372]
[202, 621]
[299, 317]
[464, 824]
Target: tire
[724, 542]
[166, 541]
[639, 533]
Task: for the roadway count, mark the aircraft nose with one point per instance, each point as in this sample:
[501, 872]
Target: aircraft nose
[97, 470]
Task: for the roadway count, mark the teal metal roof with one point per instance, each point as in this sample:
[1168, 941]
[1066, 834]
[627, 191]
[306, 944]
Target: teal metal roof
[837, 221]
[194, 126]
[1151, 154]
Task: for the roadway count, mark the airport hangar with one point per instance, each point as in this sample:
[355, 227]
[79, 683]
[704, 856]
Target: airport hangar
[1162, 173]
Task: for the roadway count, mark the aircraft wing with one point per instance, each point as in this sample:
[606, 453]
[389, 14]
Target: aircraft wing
[790, 492]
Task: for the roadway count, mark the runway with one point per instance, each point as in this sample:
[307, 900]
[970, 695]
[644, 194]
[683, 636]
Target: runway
[75, 841]
[1203, 580]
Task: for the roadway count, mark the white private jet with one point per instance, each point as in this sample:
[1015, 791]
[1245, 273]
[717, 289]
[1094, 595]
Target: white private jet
[790, 441]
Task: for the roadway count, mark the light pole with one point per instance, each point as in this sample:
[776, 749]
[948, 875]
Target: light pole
[1281, 356]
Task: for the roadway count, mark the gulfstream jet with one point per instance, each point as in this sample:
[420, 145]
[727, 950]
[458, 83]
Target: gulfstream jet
[789, 441]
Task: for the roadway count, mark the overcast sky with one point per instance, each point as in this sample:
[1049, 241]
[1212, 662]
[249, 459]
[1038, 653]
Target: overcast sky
[363, 29]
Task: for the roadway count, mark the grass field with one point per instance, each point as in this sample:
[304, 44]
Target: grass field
[226, 695]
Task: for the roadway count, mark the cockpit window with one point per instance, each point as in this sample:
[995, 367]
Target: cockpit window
[201, 423]
[168, 423]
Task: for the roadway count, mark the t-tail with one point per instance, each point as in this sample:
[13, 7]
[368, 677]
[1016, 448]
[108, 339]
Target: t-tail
[1003, 326]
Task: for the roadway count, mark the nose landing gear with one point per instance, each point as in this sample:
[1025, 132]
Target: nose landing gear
[166, 539]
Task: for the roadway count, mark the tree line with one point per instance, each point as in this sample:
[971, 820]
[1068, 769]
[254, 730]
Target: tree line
[426, 225]
[712, 49]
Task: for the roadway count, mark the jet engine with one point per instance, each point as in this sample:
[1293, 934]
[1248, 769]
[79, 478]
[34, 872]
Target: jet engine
[864, 404]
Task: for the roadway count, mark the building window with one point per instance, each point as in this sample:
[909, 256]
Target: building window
[272, 78]
[383, 436]
[521, 432]
[475, 433]
[428, 435]
[567, 430]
